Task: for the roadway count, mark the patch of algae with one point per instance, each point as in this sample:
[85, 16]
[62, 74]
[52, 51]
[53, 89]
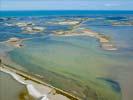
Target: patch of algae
[24, 95]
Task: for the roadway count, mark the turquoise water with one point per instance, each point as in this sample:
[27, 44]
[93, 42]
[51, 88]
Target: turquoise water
[75, 58]
[78, 64]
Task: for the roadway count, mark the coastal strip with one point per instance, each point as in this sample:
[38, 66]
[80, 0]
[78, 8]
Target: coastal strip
[31, 81]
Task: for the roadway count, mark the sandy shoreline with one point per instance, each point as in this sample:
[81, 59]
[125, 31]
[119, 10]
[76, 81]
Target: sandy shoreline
[36, 90]
[29, 84]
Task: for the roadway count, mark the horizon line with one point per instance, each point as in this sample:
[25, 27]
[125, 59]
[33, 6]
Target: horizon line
[66, 10]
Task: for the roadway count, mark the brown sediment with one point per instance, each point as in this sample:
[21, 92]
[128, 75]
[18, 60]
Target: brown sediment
[24, 95]
[105, 43]
[103, 39]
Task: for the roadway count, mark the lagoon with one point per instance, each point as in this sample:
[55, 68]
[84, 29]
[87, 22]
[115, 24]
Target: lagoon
[77, 64]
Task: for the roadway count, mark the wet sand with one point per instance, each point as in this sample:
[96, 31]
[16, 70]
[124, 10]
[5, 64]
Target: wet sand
[35, 88]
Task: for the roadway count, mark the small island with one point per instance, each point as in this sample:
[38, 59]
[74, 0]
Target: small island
[16, 42]
[29, 27]
[32, 30]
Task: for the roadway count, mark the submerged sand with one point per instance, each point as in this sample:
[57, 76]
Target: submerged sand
[36, 90]
[104, 40]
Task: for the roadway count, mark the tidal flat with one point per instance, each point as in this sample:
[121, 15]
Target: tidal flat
[91, 59]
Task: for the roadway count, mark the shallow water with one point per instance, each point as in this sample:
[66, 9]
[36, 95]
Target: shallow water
[75, 58]
[78, 64]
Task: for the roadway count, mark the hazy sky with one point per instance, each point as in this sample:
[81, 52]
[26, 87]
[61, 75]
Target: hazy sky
[66, 4]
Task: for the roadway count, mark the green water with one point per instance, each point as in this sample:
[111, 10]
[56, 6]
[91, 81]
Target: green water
[74, 64]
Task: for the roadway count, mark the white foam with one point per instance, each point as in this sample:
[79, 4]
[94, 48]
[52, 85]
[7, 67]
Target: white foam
[32, 91]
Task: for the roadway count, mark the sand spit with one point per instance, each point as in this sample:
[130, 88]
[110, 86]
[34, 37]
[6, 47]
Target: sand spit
[105, 43]
[20, 24]
[35, 88]
[24, 24]
[68, 22]
[65, 22]
[77, 30]
[73, 22]
[122, 23]
[16, 42]
[104, 40]
[33, 29]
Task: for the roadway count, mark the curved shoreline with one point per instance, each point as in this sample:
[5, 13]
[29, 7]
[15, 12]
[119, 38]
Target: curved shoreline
[105, 43]
[37, 88]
